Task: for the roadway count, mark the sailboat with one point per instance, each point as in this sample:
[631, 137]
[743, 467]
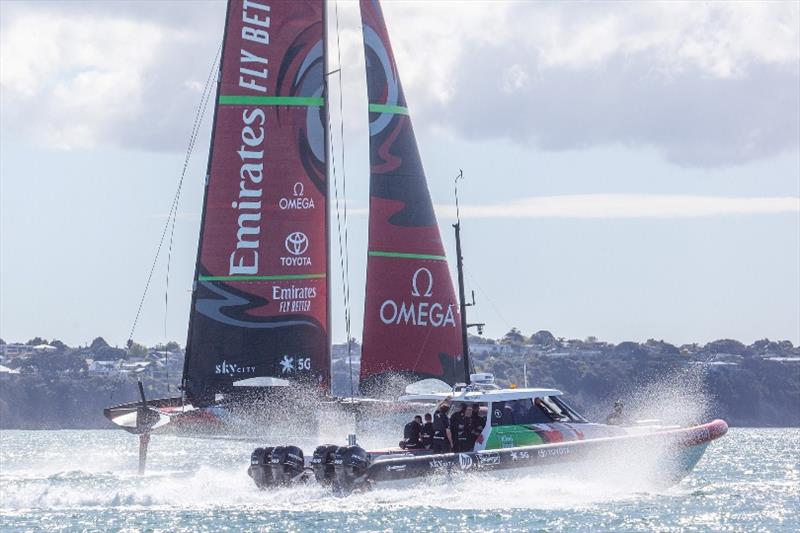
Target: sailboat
[259, 328]
[260, 318]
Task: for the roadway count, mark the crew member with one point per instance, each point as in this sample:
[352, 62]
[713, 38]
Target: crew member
[460, 429]
[442, 439]
[426, 435]
[411, 434]
[616, 418]
[478, 423]
[469, 440]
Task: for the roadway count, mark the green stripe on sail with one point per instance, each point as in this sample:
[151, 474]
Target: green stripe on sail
[262, 278]
[385, 108]
[403, 255]
[308, 101]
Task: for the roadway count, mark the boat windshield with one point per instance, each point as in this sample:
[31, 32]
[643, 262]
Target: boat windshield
[523, 411]
[544, 410]
[559, 410]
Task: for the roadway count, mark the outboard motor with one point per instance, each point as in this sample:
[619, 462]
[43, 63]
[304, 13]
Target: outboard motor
[322, 464]
[350, 465]
[287, 464]
[261, 467]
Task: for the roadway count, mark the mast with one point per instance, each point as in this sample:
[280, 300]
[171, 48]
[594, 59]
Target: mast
[326, 124]
[461, 299]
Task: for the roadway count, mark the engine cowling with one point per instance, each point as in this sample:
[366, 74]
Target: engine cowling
[261, 467]
[322, 463]
[350, 466]
[287, 464]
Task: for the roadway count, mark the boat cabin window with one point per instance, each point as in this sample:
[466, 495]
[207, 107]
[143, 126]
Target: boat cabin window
[544, 410]
[522, 411]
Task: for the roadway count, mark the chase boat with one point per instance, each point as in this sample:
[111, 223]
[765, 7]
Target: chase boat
[525, 429]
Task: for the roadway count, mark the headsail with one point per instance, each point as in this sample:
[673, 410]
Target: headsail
[260, 300]
[411, 320]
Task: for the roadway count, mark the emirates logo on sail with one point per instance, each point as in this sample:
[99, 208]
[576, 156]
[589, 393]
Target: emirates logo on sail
[419, 311]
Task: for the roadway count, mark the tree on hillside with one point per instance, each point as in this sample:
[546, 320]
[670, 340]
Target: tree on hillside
[513, 337]
[2, 342]
[171, 346]
[58, 344]
[98, 343]
[728, 346]
[543, 338]
[36, 341]
[135, 349]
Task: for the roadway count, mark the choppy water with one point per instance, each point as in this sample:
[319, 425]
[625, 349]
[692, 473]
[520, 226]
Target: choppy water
[86, 481]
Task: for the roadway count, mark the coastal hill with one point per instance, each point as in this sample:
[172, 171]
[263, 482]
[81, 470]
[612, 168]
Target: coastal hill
[49, 385]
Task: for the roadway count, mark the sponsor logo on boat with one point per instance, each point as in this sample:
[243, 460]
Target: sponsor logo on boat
[464, 461]
[293, 299]
[418, 313]
[506, 441]
[226, 368]
[289, 364]
[488, 459]
[518, 456]
[244, 258]
[296, 244]
[553, 452]
[396, 468]
[298, 200]
[437, 463]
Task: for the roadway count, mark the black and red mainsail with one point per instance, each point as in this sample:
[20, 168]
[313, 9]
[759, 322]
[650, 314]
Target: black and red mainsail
[411, 320]
[260, 301]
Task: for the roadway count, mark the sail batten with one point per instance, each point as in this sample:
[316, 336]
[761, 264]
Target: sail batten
[260, 303]
[411, 319]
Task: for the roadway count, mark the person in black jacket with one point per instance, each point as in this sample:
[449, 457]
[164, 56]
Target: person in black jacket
[442, 439]
[460, 428]
[411, 434]
[478, 423]
[426, 436]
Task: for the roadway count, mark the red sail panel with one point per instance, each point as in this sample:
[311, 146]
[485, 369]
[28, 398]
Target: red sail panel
[411, 320]
[260, 305]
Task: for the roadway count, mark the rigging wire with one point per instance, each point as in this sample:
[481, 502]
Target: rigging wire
[341, 215]
[198, 121]
[171, 217]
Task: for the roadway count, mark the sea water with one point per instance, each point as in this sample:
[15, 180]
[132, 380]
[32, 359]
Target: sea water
[86, 481]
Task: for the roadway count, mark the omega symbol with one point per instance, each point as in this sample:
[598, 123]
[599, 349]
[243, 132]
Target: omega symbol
[415, 283]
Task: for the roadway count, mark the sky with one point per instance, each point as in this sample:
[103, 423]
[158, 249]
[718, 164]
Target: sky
[632, 170]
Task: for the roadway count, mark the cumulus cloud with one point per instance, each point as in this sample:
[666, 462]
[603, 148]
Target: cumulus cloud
[82, 75]
[705, 84]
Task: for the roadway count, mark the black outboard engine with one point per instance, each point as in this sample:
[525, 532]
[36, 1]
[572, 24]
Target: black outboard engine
[287, 464]
[350, 464]
[322, 464]
[261, 467]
